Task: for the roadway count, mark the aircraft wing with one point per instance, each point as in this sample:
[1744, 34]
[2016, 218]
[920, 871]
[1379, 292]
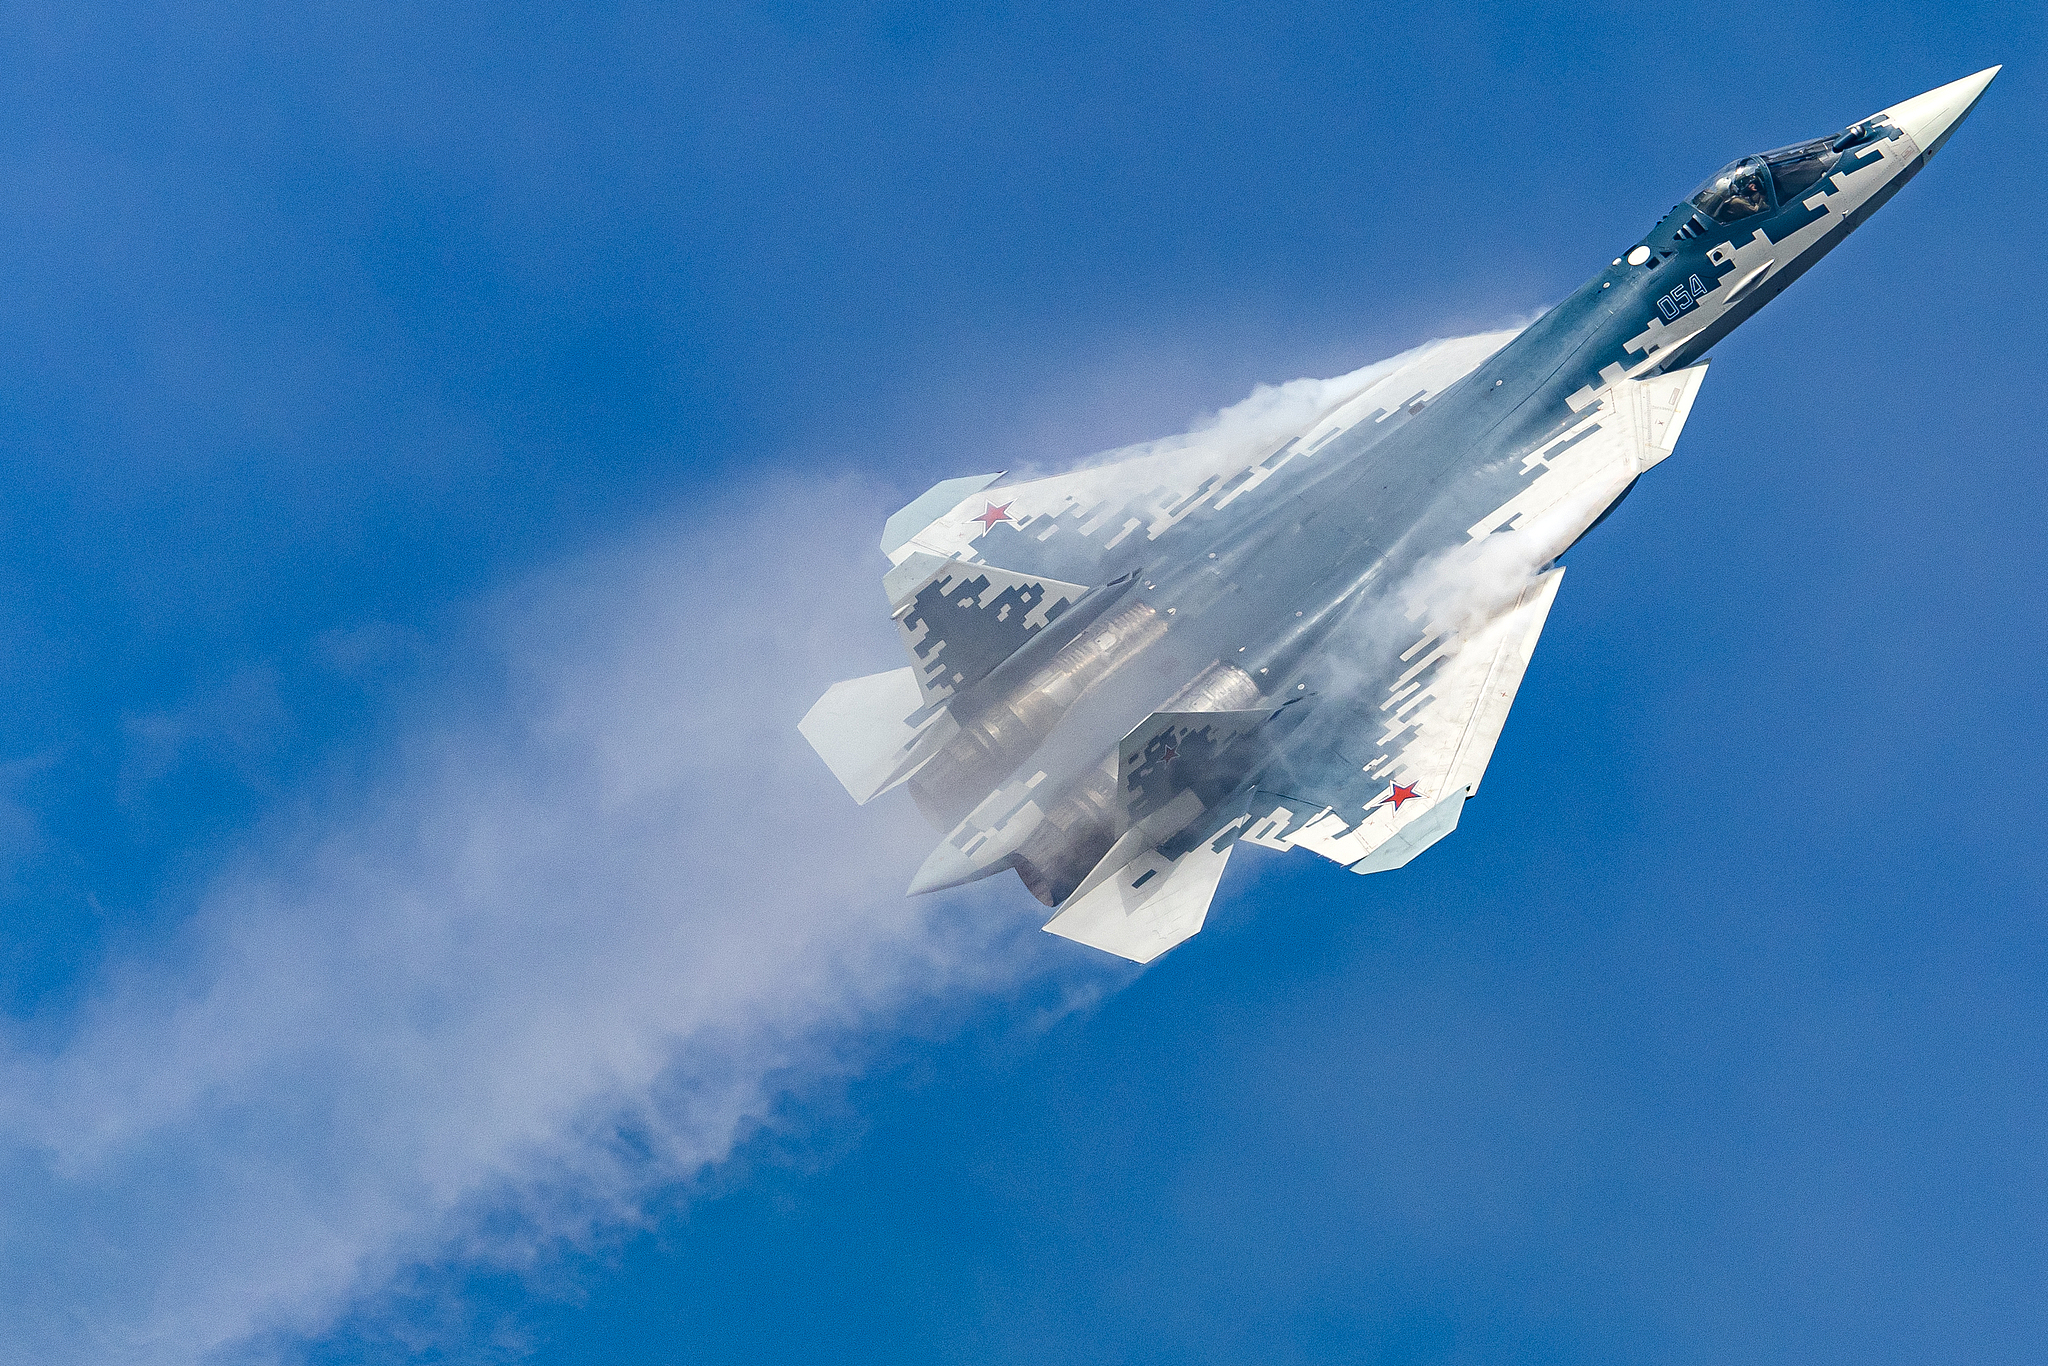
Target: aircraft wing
[1095, 523]
[1391, 779]
[1386, 769]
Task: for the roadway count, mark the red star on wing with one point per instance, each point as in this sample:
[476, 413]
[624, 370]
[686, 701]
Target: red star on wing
[993, 515]
[1401, 794]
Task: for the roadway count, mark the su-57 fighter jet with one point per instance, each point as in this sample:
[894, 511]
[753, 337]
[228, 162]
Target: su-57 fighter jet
[1121, 674]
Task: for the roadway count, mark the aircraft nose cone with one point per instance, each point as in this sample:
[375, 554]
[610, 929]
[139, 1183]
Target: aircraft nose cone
[1929, 119]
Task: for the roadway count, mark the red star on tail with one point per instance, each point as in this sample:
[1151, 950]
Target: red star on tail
[993, 515]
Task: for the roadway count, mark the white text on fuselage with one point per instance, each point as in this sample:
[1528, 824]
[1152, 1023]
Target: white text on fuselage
[1682, 298]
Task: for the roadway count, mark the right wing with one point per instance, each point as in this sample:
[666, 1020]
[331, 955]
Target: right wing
[1152, 890]
[1426, 738]
[1386, 770]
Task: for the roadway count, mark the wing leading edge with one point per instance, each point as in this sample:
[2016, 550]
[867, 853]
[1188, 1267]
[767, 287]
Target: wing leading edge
[1092, 524]
[1417, 743]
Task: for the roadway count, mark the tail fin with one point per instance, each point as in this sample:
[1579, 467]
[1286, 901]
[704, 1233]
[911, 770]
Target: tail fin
[965, 619]
[1172, 754]
[874, 732]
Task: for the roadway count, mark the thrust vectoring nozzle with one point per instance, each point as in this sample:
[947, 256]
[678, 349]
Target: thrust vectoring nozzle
[1309, 636]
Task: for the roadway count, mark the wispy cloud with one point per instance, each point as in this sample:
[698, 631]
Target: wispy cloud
[237, 727]
[1270, 413]
[576, 941]
[600, 915]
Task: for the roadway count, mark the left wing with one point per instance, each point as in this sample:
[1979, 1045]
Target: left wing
[1095, 523]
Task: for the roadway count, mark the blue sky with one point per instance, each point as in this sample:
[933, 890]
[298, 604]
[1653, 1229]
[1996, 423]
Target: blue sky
[444, 450]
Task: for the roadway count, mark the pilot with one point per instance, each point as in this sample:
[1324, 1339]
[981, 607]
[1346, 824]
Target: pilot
[1747, 195]
[1736, 191]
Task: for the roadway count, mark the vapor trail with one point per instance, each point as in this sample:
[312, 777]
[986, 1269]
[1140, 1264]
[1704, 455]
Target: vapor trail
[563, 956]
[584, 933]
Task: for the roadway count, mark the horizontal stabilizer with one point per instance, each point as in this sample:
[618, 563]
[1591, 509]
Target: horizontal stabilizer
[1151, 904]
[967, 618]
[874, 732]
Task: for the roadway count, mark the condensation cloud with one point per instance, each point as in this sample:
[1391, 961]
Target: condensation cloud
[589, 927]
[567, 953]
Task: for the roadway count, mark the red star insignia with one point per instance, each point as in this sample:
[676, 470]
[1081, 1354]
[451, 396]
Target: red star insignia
[993, 515]
[1401, 794]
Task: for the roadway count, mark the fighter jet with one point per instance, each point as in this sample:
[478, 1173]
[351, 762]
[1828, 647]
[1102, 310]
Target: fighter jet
[1121, 674]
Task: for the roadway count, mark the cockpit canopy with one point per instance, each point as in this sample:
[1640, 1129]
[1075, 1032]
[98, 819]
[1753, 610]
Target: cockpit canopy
[1756, 184]
[1737, 190]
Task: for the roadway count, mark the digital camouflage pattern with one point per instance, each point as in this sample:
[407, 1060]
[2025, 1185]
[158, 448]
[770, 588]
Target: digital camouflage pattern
[1121, 673]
